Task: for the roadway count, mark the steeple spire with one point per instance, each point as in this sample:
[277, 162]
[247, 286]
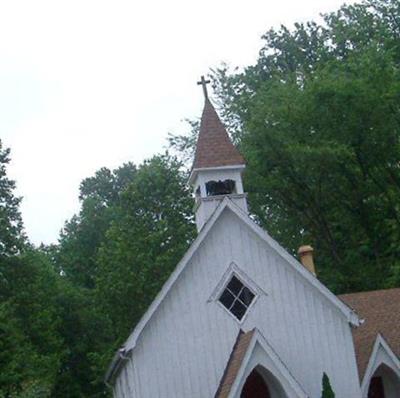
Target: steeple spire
[217, 166]
[214, 147]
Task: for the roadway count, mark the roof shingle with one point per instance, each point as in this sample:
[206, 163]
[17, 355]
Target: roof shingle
[380, 310]
[234, 363]
[214, 147]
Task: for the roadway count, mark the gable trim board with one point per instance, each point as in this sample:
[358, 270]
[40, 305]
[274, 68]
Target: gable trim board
[390, 360]
[126, 350]
[237, 370]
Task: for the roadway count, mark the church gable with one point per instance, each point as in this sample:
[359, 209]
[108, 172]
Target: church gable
[383, 370]
[194, 334]
[256, 237]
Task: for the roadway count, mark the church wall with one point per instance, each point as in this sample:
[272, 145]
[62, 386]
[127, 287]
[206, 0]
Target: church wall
[310, 335]
[183, 350]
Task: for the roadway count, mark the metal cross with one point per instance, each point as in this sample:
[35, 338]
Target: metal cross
[204, 83]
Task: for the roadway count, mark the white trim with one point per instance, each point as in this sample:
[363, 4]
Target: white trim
[390, 360]
[297, 267]
[195, 171]
[276, 360]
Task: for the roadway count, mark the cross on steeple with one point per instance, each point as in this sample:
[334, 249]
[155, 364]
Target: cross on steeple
[204, 83]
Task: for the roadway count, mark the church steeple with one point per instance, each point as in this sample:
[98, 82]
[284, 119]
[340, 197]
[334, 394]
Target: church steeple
[217, 166]
[214, 147]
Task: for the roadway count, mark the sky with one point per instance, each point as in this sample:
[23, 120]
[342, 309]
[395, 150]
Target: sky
[86, 84]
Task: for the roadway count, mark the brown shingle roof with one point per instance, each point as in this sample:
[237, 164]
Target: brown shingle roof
[380, 310]
[235, 361]
[214, 147]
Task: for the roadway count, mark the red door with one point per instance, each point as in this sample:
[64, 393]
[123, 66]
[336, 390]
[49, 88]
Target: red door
[255, 387]
[376, 389]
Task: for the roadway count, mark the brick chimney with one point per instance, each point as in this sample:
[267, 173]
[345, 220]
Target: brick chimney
[306, 257]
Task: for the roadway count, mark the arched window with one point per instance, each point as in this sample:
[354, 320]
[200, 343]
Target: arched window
[255, 387]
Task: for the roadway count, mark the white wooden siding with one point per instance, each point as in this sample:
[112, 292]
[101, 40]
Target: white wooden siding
[185, 347]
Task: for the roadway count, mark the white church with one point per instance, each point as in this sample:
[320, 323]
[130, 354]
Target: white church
[242, 318]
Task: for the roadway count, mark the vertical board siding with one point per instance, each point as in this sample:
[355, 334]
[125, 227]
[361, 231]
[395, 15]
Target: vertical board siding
[184, 349]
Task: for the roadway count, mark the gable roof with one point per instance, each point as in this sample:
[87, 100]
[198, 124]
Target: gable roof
[381, 354]
[226, 204]
[214, 147]
[380, 310]
[240, 357]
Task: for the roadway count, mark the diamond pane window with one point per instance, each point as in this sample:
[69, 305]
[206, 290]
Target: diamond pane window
[236, 298]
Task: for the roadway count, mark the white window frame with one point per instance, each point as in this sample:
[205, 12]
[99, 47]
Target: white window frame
[234, 270]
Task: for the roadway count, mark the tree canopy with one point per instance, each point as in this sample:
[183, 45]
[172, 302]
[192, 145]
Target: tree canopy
[11, 233]
[317, 118]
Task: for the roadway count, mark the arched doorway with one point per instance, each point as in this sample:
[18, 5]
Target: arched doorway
[261, 383]
[385, 383]
[255, 386]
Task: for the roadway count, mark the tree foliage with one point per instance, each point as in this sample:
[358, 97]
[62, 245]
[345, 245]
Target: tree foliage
[327, 391]
[317, 119]
[31, 347]
[11, 232]
[82, 236]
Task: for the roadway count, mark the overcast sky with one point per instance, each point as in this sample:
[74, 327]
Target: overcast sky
[92, 83]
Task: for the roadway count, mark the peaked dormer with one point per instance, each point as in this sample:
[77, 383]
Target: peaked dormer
[217, 167]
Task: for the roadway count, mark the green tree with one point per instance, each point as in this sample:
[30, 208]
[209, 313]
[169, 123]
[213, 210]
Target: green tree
[30, 346]
[85, 332]
[82, 236]
[31, 349]
[317, 118]
[11, 233]
[327, 391]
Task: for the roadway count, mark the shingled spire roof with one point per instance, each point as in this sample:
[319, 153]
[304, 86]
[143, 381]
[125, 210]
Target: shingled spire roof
[214, 147]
